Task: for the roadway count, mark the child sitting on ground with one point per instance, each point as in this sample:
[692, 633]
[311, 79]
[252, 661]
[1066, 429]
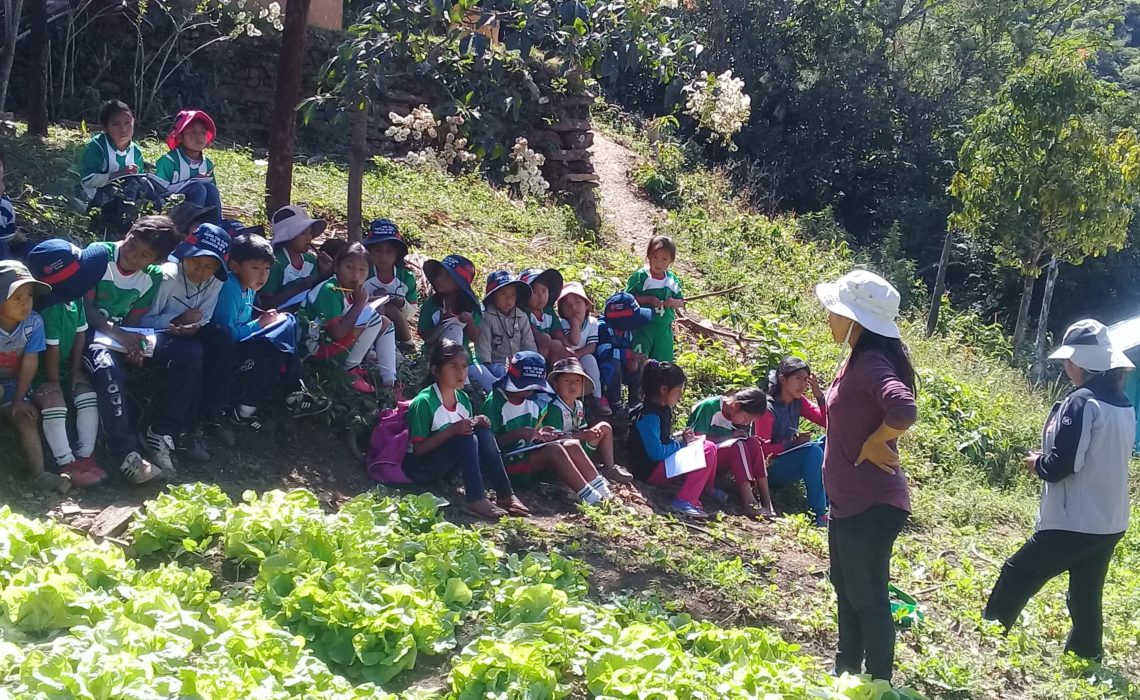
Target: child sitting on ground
[657, 287]
[72, 273]
[545, 287]
[445, 435]
[21, 342]
[452, 312]
[296, 268]
[726, 421]
[186, 169]
[567, 416]
[651, 442]
[112, 172]
[184, 306]
[118, 301]
[342, 320]
[618, 362]
[580, 330]
[392, 278]
[265, 351]
[505, 328]
[515, 421]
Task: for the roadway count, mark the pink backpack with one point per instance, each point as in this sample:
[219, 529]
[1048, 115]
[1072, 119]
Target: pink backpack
[389, 445]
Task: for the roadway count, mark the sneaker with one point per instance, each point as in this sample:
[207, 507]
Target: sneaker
[89, 465]
[158, 448]
[191, 444]
[689, 510]
[220, 432]
[254, 422]
[617, 474]
[79, 475]
[604, 407]
[137, 470]
[822, 521]
[360, 381]
[301, 404]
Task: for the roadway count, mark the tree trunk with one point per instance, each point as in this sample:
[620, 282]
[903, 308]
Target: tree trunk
[939, 284]
[37, 80]
[357, 157]
[13, 9]
[283, 123]
[1019, 328]
[1043, 323]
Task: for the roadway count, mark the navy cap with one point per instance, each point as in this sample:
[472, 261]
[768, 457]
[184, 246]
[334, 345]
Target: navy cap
[624, 313]
[525, 372]
[71, 271]
[551, 278]
[237, 228]
[461, 270]
[505, 278]
[207, 240]
[385, 231]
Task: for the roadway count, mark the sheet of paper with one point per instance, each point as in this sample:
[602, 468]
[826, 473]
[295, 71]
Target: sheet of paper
[262, 331]
[114, 345]
[295, 300]
[523, 450]
[689, 458]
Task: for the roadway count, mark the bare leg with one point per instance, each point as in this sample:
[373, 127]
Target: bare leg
[27, 425]
[765, 495]
[606, 444]
[555, 458]
[580, 459]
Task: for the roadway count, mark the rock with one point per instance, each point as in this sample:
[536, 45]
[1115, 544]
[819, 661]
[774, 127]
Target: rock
[112, 521]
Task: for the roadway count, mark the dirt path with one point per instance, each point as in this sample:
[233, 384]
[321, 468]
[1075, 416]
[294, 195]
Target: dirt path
[632, 217]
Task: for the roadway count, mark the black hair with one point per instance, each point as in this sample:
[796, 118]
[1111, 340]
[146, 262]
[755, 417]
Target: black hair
[110, 108]
[660, 375]
[400, 251]
[352, 250]
[787, 367]
[158, 232]
[333, 247]
[1116, 377]
[895, 351]
[250, 246]
[661, 243]
[442, 353]
[752, 401]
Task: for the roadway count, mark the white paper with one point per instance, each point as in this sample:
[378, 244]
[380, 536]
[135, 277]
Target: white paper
[296, 300]
[801, 445]
[689, 458]
[114, 345]
[528, 448]
[262, 331]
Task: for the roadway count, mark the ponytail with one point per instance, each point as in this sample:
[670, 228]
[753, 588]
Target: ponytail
[660, 375]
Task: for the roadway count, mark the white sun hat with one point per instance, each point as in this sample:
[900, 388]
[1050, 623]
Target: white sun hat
[1087, 345]
[863, 297]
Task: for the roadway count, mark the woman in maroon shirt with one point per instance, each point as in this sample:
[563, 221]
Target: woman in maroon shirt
[869, 405]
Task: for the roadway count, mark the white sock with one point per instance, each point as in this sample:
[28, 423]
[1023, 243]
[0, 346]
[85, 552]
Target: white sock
[364, 342]
[55, 430]
[385, 346]
[602, 487]
[590, 364]
[589, 495]
[246, 411]
[86, 423]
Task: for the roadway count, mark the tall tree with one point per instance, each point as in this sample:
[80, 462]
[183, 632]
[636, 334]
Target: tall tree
[283, 125]
[13, 10]
[37, 78]
[1042, 176]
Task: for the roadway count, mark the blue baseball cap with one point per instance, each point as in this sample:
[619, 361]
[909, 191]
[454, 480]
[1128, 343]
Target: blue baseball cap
[70, 270]
[207, 240]
[525, 372]
[551, 279]
[624, 313]
[505, 278]
[385, 231]
[236, 228]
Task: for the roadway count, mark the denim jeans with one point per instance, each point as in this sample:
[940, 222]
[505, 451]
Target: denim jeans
[614, 374]
[477, 455]
[803, 464]
[1048, 554]
[217, 363]
[205, 194]
[860, 551]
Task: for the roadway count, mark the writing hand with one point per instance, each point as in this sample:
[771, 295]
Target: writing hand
[689, 436]
[880, 454]
[268, 318]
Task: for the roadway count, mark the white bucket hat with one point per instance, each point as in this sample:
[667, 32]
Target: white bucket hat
[291, 221]
[1087, 345]
[863, 297]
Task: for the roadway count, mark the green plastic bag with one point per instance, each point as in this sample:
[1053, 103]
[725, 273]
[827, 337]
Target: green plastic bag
[904, 608]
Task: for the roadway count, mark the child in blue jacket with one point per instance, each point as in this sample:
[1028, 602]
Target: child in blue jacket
[618, 362]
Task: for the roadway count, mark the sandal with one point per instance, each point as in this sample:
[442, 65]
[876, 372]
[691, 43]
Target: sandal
[514, 506]
[483, 509]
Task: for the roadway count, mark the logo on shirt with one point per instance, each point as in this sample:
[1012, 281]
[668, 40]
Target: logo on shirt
[1066, 421]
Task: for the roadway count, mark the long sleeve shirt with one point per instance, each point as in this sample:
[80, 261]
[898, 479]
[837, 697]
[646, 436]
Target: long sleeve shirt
[654, 441]
[177, 294]
[234, 309]
[867, 393]
[613, 344]
[501, 336]
[780, 425]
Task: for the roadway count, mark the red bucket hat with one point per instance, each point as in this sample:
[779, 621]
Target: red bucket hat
[184, 119]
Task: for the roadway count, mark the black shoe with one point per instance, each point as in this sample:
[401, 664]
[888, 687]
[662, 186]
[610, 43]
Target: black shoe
[253, 422]
[302, 403]
[191, 444]
[220, 432]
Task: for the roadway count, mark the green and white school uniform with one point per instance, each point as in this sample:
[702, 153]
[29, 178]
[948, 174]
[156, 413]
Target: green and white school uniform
[427, 415]
[546, 323]
[120, 293]
[432, 317]
[506, 417]
[655, 340]
[323, 304]
[565, 418]
[61, 323]
[403, 285]
[283, 273]
[708, 419]
[100, 159]
[175, 170]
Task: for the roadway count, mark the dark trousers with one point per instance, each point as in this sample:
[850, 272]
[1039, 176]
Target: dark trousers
[860, 551]
[217, 360]
[177, 392]
[260, 366]
[205, 194]
[614, 375]
[1047, 554]
[476, 455]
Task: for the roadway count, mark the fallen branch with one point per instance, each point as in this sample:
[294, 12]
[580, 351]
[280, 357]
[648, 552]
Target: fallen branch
[716, 293]
[702, 329]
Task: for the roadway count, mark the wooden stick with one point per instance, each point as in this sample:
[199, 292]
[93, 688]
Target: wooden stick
[717, 293]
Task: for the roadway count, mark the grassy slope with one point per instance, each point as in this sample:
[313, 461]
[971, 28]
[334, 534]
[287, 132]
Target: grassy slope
[971, 506]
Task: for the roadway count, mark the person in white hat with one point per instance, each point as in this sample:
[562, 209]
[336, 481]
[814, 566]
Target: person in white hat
[1085, 448]
[869, 405]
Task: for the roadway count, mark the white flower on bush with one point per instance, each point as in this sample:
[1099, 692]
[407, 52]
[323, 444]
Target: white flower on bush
[719, 104]
[528, 173]
[420, 123]
[414, 126]
[669, 4]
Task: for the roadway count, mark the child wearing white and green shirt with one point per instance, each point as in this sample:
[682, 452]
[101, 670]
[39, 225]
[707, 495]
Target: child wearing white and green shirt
[392, 278]
[566, 415]
[445, 435]
[533, 449]
[296, 268]
[656, 287]
[185, 169]
[112, 154]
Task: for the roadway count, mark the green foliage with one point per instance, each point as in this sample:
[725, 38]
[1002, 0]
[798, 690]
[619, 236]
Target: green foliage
[186, 518]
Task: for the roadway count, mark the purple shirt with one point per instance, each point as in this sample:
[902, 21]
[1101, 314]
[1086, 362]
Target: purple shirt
[866, 393]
